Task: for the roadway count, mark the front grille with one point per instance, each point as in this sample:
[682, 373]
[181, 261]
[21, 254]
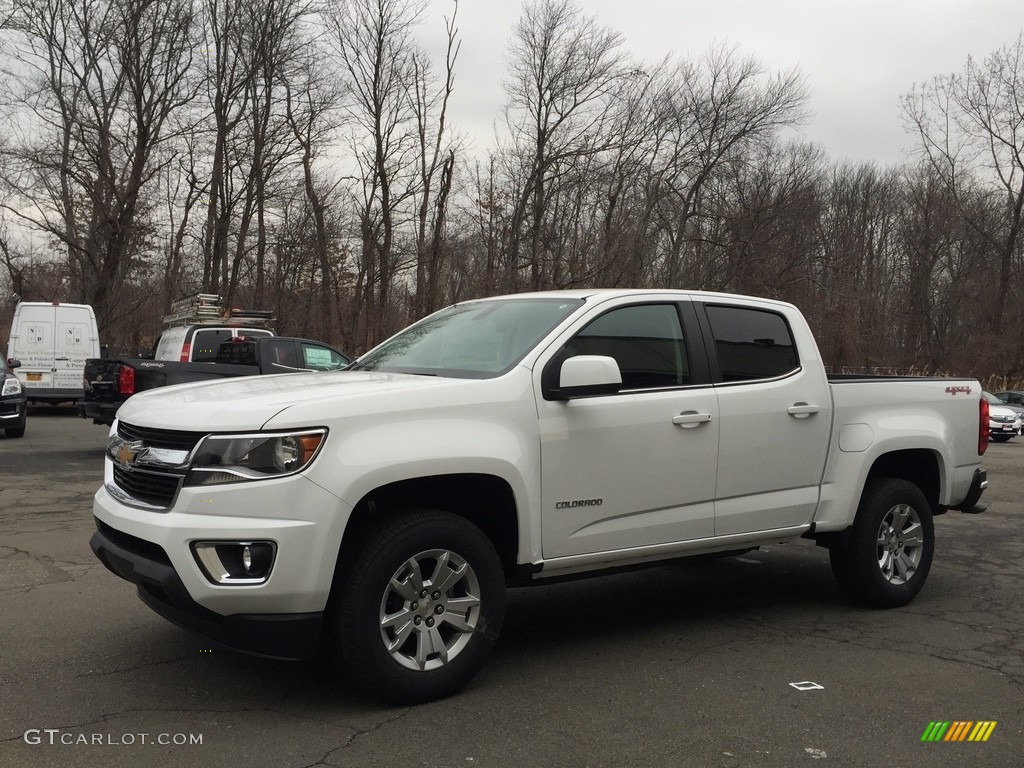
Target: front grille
[151, 486]
[160, 438]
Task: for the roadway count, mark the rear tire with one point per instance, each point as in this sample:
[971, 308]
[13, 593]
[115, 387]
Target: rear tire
[418, 608]
[885, 559]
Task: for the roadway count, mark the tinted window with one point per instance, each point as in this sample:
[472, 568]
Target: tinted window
[282, 354]
[237, 353]
[751, 343]
[646, 341]
[206, 341]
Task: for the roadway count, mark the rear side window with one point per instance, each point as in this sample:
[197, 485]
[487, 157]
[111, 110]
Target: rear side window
[282, 354]
[751, 344]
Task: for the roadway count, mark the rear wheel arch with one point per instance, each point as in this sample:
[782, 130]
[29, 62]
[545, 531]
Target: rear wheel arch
[920, 467]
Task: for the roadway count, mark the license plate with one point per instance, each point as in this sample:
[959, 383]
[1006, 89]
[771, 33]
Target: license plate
[34, 377]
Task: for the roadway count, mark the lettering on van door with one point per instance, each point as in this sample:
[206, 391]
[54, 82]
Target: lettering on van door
[35, 334]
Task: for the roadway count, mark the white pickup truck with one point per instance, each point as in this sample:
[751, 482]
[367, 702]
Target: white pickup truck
[381, 512]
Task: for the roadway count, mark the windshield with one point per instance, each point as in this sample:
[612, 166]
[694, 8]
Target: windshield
[476, 340]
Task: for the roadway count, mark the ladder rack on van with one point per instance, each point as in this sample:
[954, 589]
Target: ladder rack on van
[209, 309]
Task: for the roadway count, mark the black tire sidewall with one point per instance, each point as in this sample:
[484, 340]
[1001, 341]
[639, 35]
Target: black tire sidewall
[355, 637]
[856, 563]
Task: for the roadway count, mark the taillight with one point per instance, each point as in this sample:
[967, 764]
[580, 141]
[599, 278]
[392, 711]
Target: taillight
[126, 380]
[186, 350]
[983, 414]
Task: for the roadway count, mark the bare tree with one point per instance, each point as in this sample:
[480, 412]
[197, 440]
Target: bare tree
[970, 128]
[373, 40]
[564, 68]
[715, 112]
[436, 156]
[311, 105]
[93, 126]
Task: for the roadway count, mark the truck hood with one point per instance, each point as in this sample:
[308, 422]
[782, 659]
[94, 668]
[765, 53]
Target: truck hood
[248, 403]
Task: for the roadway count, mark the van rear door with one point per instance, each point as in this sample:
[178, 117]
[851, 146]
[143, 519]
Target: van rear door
[52, 341]
[74, 340]
[32, 343]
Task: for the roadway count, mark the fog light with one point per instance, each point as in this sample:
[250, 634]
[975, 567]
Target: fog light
[235, 562]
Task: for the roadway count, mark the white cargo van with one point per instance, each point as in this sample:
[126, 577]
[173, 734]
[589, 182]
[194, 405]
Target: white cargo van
[52, 341]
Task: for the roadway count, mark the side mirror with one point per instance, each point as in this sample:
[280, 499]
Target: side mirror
[586, 376]
[13, 362]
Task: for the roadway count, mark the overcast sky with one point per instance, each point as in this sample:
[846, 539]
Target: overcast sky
[857, 56]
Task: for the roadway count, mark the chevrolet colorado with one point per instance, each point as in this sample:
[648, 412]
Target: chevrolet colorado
[379, 513]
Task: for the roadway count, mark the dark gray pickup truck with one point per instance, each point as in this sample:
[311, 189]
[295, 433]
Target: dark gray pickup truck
[108, 383]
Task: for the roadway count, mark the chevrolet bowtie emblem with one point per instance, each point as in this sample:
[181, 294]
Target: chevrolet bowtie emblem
[129, 453]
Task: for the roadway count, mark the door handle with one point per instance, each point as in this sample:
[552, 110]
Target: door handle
[691, 419]
[802, 410]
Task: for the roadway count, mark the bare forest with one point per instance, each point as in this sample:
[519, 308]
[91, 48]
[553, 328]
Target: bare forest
[299, 157]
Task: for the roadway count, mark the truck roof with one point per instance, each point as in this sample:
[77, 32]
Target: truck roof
[592, 293]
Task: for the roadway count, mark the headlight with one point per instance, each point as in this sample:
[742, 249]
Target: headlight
[12, 386]
[241, 458]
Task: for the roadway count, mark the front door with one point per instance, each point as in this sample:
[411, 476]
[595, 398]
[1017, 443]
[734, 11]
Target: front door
[636, 468]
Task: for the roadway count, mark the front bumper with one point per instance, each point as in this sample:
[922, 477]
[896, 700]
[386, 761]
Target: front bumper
[280, 618]
[12, 411]
[146, 565]
[1003, 428]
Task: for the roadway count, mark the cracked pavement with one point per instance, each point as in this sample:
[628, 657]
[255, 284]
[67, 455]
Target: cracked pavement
[686, 664]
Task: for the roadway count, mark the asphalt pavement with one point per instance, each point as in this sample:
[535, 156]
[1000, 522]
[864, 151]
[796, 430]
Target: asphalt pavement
[681, 665]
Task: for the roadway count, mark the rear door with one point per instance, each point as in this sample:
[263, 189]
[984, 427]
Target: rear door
[34, 347]
[74, 340]
[775, 419]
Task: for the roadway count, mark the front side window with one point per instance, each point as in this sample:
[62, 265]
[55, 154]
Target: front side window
[646, 341]
[751, 344]
[476, 340]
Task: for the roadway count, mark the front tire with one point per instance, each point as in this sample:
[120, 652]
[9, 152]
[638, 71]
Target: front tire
[885, 559]
[418, 609]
